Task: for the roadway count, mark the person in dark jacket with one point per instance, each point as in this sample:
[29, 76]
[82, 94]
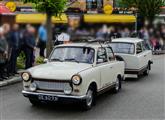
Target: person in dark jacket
[15, 44]
[3, 53]
[30, 47]
[7, 34]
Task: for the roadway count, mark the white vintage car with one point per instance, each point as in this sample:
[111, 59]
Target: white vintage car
[132, 51]
[75, 71]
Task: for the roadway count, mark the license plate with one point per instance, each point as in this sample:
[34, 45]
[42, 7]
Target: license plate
[47, 98]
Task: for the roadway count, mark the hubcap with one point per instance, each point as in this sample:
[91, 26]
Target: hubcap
[89, 98]
[117, 84]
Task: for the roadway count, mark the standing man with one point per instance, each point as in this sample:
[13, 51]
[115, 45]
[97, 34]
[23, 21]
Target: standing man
[30, 47]
[15, 44]
[146, 38]
[64, 37]
[3, 53]
[7, 34]
[42, 34]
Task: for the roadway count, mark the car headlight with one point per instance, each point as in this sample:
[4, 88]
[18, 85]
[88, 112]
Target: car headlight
[67, 89]
[76, 79]
[26, 76]
[33, 87]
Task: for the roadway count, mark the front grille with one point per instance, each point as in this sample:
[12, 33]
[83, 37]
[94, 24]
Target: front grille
[51, 86]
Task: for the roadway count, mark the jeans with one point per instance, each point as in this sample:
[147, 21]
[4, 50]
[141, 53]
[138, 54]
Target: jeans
[42, 46]
[29, 58]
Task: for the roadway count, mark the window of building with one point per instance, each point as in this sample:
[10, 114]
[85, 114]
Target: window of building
[94, 4]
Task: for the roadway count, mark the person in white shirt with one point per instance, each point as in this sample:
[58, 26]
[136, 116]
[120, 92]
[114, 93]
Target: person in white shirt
[63, 37]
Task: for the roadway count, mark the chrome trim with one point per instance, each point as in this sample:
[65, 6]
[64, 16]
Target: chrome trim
[50, 80]
[26, 93]
[107, 86]
[53, 86]
[136, 69]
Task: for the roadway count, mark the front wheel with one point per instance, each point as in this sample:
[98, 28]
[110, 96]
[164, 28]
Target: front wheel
[117, 87]
[89, 101]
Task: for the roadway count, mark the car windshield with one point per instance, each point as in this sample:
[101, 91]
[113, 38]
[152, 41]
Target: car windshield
[119, 47]
[73, 54]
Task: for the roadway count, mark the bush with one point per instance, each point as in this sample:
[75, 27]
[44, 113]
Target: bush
[22, 58]
[21, 61]
[39, 60]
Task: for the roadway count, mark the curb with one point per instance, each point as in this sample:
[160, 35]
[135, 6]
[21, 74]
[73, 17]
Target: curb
[10, 81]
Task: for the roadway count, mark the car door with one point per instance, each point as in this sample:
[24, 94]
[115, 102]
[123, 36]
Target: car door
[147, 52]
[141, 55]
[112, 65]
[104, 67]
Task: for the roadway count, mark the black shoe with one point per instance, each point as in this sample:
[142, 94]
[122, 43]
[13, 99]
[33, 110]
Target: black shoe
[12, 74]
[4, 77]
[1, 79]
[16, 73]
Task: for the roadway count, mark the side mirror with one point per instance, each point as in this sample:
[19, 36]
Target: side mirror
[100, 61]
[46, 60]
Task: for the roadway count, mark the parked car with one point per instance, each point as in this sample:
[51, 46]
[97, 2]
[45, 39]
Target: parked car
[75, 71]
[133, 52]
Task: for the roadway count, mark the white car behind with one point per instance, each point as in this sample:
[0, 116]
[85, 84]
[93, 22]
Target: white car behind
[133, 52]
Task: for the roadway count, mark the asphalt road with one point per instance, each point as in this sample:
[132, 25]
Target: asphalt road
[139, 99]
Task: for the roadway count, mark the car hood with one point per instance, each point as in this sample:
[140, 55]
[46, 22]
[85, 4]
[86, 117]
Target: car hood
[57, 70]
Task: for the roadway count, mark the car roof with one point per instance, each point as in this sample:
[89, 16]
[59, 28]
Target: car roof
[127, 40]
[92, 45]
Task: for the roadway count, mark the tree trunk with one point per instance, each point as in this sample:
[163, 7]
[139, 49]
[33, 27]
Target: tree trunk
[151, 22]
[49, 45]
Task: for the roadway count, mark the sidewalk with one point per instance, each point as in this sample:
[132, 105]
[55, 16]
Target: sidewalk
[10, 81]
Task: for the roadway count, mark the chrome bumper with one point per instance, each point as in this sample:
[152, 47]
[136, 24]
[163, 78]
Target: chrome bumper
[36, 94]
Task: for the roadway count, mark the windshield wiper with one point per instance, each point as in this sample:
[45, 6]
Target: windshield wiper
[71, 59]
[56, 59]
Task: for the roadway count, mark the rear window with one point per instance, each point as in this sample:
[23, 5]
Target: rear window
[119, 47]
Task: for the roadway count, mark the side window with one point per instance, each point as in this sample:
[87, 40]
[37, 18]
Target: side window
[139, 48]
[144, 46]
[110, 54]
[101, 56]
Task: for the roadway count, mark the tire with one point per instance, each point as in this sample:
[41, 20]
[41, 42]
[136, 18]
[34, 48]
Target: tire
[117, 86]
[147, 71]
[90, 100]
[34, 102]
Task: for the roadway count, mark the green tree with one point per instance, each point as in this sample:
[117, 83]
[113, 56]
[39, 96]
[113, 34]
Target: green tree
[50, 7]
[148, 9]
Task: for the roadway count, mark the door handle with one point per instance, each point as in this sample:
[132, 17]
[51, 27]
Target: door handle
[145, 55]
[111, 67]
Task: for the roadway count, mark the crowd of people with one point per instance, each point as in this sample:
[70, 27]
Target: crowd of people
[154, 37]
[13, 41]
